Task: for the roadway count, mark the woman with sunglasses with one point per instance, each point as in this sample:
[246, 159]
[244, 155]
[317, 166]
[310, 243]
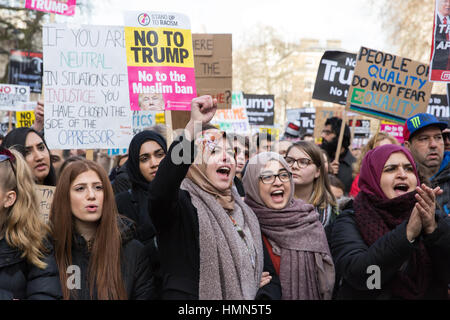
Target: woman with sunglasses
[292, 233]
[310, 177]
[27, 265]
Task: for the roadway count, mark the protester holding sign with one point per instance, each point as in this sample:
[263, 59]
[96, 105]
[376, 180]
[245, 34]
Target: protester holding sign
[330, 135]
[92, 243]
[292, 233]
[391, 243]
[28, 269]
[311, 180]
[35, 151]
[146, 151]
[209, 239]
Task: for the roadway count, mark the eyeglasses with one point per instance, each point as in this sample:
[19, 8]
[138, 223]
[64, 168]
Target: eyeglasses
[301, 162]
[327, 132]
[269, 179]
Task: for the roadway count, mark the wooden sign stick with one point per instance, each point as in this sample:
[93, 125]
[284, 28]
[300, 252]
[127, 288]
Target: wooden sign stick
[341, 136]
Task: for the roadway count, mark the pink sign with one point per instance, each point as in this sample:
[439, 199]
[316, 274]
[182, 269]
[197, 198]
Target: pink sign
[66, 7]
[395, 130]
[161, 88]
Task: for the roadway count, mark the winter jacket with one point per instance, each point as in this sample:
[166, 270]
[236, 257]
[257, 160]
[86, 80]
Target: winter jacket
[134, 265]
[346, 170]
[21, 280]
[442, 179]
[352, 257]
[128, 206]
[176, 221]
[121, 181]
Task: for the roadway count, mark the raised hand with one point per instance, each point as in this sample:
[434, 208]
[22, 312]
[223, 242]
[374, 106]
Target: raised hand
[426, 205]
[414, 226]
[202, 111]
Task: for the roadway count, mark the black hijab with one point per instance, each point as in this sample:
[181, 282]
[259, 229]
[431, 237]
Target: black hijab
[132, 164]
[17, 137]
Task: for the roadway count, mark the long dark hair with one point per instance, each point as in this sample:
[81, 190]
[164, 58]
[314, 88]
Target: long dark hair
[104, 262]
[17, 138]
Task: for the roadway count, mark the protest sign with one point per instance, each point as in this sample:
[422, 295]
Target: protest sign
[213, 67]
[45, 198]
[25, 118]
[440, 44]
[144, 119]
[160, 61]
[275, 132]
[237, 99]
[438, 106]
[334, 76]
[63, 7]
[85, 88]
[25, 68]
[260, 108]
[12, 96]
[322, 114]
[305, 116]
[388, 87]
[232, 120]
[394, 129]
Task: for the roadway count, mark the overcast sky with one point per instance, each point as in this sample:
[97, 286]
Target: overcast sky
[352, 21]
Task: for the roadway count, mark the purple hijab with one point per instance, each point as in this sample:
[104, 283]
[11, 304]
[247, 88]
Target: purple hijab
[372, 168]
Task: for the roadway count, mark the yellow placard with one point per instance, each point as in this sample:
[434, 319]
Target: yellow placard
[25, 119]
[162, 47]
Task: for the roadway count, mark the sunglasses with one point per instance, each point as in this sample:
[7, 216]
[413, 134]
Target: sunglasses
[4, 157]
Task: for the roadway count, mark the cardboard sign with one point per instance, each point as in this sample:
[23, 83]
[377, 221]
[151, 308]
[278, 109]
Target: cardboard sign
[232, 120]
[45, 198]
[25, 69]
[260, 108]
[388, 87]
[85, 88]
[25, 119]
[160, 61]
[440, 45]
[306, 117]
[12, 96]
[438, 106]
[66, 8]
[213, 67]
[394, 129]
[334, 77]
[322, 114]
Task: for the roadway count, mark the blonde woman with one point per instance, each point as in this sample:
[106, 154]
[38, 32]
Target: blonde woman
[27, 265]
[379, 139]
[309, 173]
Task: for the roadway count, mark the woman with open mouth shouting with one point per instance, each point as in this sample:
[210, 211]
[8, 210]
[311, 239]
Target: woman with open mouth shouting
[292, 232]
[392, 242]
[209, 239]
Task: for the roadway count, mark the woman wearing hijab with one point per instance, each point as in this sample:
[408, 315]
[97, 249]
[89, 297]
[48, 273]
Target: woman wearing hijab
[34, 149]
[146, 150]
[391, 244]
[209, 239]
[291, 229]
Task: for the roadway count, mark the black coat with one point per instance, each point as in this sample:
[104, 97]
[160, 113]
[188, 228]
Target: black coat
[134, 264]
[128, 206]
[176, 221]
[352, 257]
[21, 280]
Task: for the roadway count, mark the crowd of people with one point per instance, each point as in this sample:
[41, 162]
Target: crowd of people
[221, 216]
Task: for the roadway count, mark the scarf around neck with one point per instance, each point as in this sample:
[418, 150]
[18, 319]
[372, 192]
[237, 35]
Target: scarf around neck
[376, 215]
[230, 265]
[306, 267]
